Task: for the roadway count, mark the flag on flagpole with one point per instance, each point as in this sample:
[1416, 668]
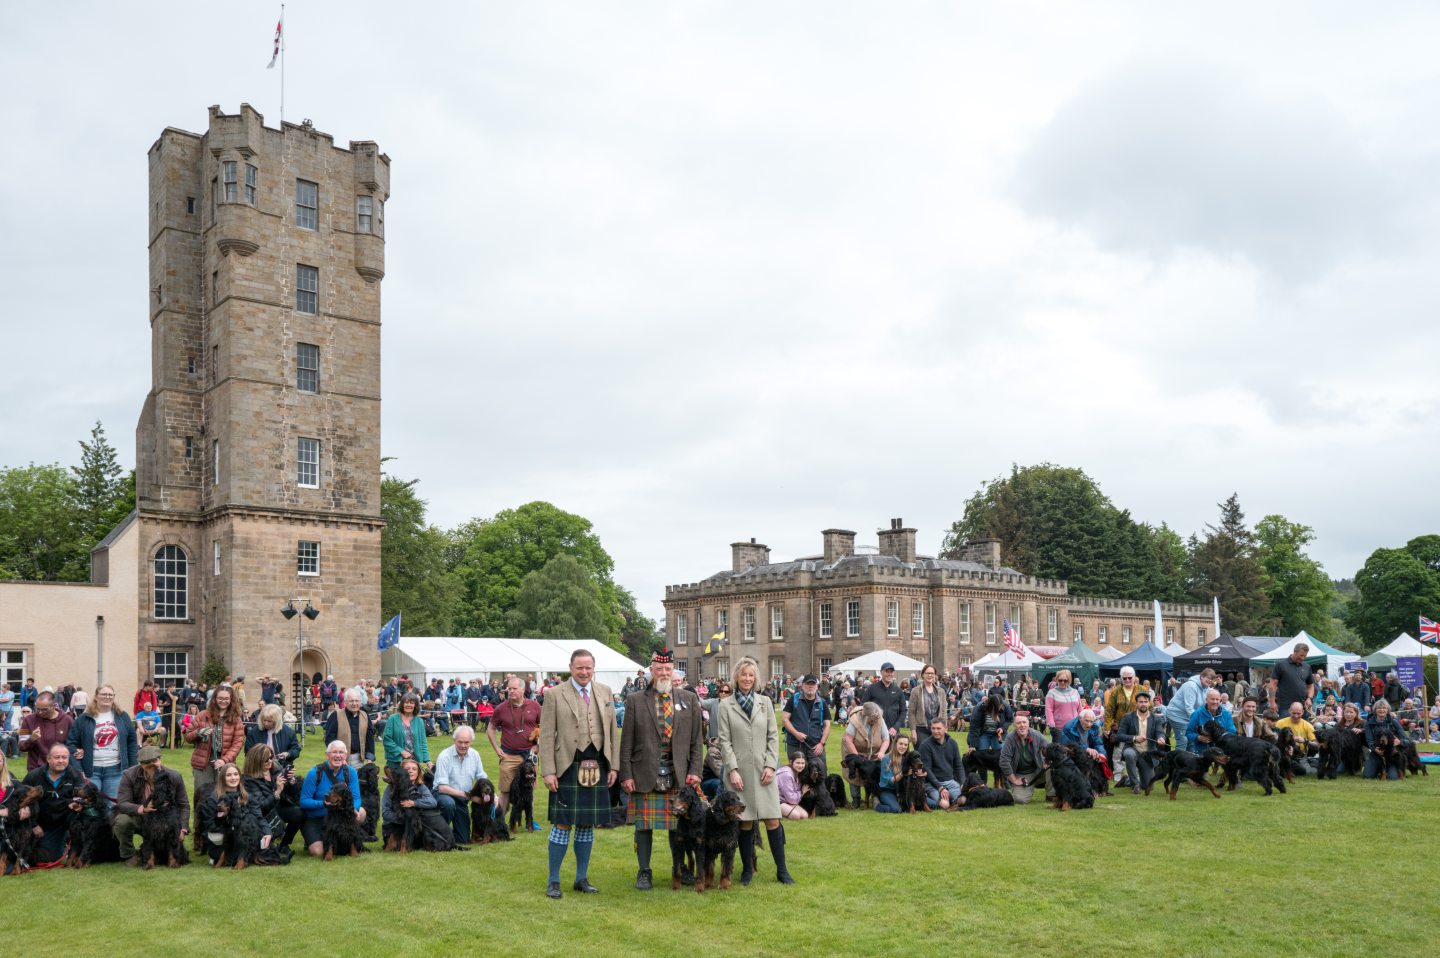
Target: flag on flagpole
[1429, 631]
[1012, 640]
[279, 29]
[716, 644]
[389, 634]
[1159, 632]
[1217, 616]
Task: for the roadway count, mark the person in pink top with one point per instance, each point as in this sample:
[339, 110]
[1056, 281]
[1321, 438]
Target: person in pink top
[1062, 703]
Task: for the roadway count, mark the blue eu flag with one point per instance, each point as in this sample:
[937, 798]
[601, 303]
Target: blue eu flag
[389, 634]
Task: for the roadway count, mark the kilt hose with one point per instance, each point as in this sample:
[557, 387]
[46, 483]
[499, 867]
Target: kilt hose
[651, 810]
[575, 804]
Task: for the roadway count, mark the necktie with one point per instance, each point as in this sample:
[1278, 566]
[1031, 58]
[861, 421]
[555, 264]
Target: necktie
[667, 715]
[585, 694]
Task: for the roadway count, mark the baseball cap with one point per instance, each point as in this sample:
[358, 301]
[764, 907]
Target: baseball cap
[809, 680]
[888, 667]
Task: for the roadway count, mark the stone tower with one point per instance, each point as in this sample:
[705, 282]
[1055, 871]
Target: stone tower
[258, 449]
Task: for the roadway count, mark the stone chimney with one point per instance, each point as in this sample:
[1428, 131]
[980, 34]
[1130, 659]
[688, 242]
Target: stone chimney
[839, 543]
[984, 551]
[898, 541]
[747, 555]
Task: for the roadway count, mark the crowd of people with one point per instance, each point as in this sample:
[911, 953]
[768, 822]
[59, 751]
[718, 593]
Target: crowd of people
[716, 735]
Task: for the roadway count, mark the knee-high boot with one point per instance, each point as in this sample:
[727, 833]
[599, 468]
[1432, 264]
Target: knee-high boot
[747, 855]
[777, 851]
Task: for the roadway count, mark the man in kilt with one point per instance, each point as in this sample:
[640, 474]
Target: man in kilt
[661, 750]
[577, 757]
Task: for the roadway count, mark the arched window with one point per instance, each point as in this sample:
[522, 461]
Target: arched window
[171, 583]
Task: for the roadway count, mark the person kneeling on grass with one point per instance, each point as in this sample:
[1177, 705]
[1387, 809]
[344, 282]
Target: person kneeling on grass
[892, 766]
[788, 781]
[318, 782]
[1022, 761]
[942, 766]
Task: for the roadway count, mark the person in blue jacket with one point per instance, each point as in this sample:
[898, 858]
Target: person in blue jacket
[1082, 731]
[318, 782]
[1212, 711]
[1380, 720]
[104, 742]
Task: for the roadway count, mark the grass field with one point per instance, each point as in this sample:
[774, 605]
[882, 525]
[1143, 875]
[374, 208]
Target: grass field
[1333, 868]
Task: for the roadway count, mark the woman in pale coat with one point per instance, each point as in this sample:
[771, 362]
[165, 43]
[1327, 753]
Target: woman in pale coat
[750, 747]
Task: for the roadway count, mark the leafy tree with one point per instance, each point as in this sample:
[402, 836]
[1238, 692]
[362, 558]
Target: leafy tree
[561, 600]
[214, 670]
[1427, 550]
[1225, 565]
[1173, 564]
[413, 578]
[640, 636]
[1396, 587]
[40, 537]
[1301, 595]
[103, 493]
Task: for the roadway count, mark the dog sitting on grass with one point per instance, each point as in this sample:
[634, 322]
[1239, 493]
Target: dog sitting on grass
[688, 837]
[1072, 788]
[18, 841]
[486, 827]
[979, 795]
[160, 842]
[865, 771]
[369, 776]
[342, 834]
[90, 837]
[722, 838]
[912, 785]
[521, 799]
[815, 797]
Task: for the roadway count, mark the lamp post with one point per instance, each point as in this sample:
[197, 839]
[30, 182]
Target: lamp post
[297, 689]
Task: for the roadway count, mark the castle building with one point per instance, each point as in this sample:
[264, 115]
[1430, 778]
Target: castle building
[258, 445]
[813, 612]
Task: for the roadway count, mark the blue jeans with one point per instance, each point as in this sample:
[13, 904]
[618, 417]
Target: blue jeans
[932, 795]
[457, 816]
[989, 741]
[887, 801]
[108, 781]
[1373, 768]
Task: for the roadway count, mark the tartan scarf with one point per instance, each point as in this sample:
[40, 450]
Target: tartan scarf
[746, 701]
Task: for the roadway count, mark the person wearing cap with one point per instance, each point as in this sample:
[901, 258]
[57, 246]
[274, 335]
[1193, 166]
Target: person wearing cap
[1141, 735]
[928, 701]
[887, 694]
[136, 786]
[661, 748]
[807, 722]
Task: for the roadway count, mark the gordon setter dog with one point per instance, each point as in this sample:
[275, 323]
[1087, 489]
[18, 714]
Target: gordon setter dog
[979, 795]
[1391, 755]
[1093, 771]
[18, 842]
[1176, 766]
[1350, 752]
[244, 832]
[984, 760]
[912, 788]
[1256, 758]
[342, 834]
[815, 797]
[160, 842]
[867, 772]
[1411, 760]
[486, 827]
[520, 802]
[1072, 788]
[369, 776]
[90, 837]
[1290, 758]
[722, 838]
[835, 785]
[688, 837]
[404, 835]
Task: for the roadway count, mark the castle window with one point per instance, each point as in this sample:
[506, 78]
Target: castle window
[1124, 635]
[231, 184]
[1149, 633]
[1169, 636]
[989, 624]
[1053, 618]
[1201, 637]
[307, 289]
[682, 627]
[917, 618]
[189, 447]
[722, 623]
[216, 548]
[892, 617]
[171, 577]
[748, 619]
[307, 558]
[12, 669]
[777, 622]
[825, 665]
[1104, 635]
[777, 666]
[827, 620]
[307, 204]
[215, 462]
[965, 622]
[852, 618]
[307, 466]
[214, 198]
[169, 667]
[363, 216]
[190, 205]
[252, 181]
[307, 367]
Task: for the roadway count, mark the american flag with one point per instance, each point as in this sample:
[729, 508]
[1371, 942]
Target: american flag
[1429, 631]
[1012, 640]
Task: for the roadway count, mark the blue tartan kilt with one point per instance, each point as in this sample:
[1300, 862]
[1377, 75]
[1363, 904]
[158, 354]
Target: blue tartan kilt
[573, 804]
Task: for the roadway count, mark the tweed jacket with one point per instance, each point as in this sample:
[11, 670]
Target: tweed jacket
[562, 730]
[640, 740]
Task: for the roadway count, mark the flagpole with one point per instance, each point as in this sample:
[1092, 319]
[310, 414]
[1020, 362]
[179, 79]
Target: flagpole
[282, 68]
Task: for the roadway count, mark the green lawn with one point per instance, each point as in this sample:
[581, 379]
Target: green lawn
[1333, 868]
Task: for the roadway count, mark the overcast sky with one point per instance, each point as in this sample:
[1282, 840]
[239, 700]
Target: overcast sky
[707, 271]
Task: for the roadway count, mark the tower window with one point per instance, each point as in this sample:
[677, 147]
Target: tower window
[252, 181]
[307, 558]
[307, 289]
[307, 367]
[307, 471]
[307, 204]
[231, 184]
[190, 205]
[171, 577]
[189, 447]
[215, 462]
[364, 206]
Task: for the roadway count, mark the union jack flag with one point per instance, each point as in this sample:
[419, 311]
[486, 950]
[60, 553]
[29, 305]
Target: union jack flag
[1012, 640]
[1429, 631]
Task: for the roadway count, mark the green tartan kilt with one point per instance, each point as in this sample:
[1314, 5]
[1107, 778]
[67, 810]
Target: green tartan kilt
[574, 804]
[651, 810]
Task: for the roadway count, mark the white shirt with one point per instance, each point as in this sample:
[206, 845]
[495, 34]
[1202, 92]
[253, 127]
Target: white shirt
[459, 773]
[107, 741]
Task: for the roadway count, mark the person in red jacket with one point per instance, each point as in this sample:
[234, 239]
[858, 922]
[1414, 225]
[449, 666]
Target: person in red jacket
[219, 735]
[145, 700]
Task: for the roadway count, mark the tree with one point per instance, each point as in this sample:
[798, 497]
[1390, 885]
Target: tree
[639, 635]
[1396, 587]
[1225, 565]
[1301, 595]
[1173, 562]
[413, 579]
[489, 559]
[40, 537]
[560, 601]
[103, 494]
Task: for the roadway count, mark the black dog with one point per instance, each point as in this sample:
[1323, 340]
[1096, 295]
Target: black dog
[1093, 771]
[722, 838]
[90, 836]
[342, 833]
[687, 837]
[369, 775]
[984, 760]
[486, 827]
[160, 842]
[1256, 758]
[1410, 760]
[867, 772]
[815, 797]
[1178, 766]
[1351, 750]
[18, 842]
[404, 835]
[912, 789]
[835, 786]
[244, 831]
[1072, 788]
[521, 799]
[1391, 755]
[978, 795]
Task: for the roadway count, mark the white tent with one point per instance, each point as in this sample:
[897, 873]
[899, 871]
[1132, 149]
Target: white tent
[871, 662]
[1334, 659]
[1111, 653]
[1405, 646]
[1174, 648]
[1007, 661]
[439, 657]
